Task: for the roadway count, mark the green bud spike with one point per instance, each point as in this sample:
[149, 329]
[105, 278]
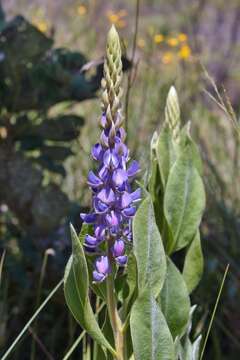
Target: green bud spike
[111, 83]
[172, 112]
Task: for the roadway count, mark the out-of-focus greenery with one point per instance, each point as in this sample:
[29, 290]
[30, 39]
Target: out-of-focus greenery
[177, 42]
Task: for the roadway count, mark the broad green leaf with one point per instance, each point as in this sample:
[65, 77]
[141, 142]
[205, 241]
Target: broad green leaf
[165, 153]
[186, 142]
[174, 299]
[151, 337]
[184, 201]
[193, 264]
[76, 287]
[148, 249]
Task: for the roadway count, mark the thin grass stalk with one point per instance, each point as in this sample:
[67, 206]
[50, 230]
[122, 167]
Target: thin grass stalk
[38, 299]
[81, 336]
[214, 311]
[26, 327]
[1, 265]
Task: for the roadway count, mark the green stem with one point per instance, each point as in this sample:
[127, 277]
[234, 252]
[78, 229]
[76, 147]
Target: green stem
[113, 314]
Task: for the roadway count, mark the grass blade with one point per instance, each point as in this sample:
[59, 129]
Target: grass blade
[214, 311]
[1, 265]
[10, 349]
[76, 343]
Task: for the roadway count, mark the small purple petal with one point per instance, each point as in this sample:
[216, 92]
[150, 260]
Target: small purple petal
[88, 218]
[129, 212]
[136, 195]
[99, 206]
[91, 241]
[110, 158]
[93, 180]
[100, 232]
[125, 200]
[104, 173]
[102, 265]
[104, 138]
[118, 248]
[107, 196]
[97, 152]
[112, 219]
[119, 177]
[121, 260]
[98, 277]
[133, 168]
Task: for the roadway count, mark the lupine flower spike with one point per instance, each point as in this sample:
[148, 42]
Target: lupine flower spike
[113, 201]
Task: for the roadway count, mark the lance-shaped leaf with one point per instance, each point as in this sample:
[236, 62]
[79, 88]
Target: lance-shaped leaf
[193, 264]
[76, 286]
[186, 142]
[151, 337]
[184, 201]
[165, 153]
[148, 249]
[174, 299]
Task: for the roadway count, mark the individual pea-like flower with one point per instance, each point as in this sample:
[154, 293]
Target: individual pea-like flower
[113, 201]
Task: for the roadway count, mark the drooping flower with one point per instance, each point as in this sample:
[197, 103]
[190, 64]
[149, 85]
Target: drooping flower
[113, 201]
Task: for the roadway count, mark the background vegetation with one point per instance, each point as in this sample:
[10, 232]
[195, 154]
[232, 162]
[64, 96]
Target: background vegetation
[50, 67]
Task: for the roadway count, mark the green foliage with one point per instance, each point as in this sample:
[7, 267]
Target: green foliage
[193, 264]
[76, 283]
[150, 334]
[148, 249]
[184, 201]
[174, 300]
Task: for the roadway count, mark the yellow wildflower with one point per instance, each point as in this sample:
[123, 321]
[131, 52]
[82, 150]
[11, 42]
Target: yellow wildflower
[82, 10]
[41, 25]
[158, 38]
[117, 18]
[172, 42]
[167, 58]
[185, 52]
[182, 37]
[141, 43]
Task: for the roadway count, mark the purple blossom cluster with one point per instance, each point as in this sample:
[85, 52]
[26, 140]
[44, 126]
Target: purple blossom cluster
[113, 201]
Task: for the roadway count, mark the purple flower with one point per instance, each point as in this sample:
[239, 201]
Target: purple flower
[102, 268]
[113, 200]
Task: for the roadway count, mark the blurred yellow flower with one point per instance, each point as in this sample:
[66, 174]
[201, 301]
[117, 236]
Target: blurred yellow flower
[82, 10]
[41, 25]
[141, 43]
[117, 18]
[167, 58]
[158, 38]
[182, 37]
[3, 132]
[185, 52]
[172, 42]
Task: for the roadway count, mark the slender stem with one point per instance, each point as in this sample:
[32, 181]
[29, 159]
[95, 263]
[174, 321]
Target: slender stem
[214, 311]
[7, 353]
[113, 313]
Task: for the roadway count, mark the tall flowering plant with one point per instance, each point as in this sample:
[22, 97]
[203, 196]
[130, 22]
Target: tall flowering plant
[122, 257]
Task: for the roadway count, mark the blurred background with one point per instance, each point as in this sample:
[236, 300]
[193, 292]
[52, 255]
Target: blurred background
[51, 54]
